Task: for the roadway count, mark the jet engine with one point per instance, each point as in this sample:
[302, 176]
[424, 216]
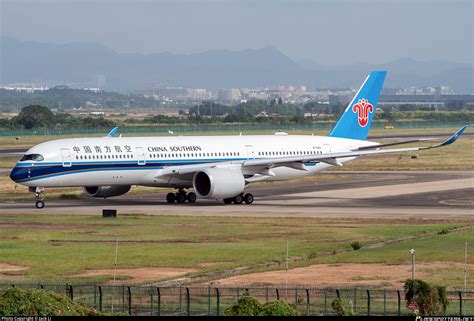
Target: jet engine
[219, 183]
[106, 191]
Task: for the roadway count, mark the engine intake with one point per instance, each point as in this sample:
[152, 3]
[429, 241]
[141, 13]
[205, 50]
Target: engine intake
[219, 183]
[106, 191]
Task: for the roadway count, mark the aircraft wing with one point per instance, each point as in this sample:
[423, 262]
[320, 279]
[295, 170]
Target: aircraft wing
[377, 145]
[332, 158]
[253, 166]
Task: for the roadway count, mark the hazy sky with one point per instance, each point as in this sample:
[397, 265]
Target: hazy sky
[328, 32]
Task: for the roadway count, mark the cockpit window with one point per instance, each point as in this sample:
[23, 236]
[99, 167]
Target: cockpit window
[32, 157]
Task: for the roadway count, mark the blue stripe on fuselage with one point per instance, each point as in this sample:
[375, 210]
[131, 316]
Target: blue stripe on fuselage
[24, 172]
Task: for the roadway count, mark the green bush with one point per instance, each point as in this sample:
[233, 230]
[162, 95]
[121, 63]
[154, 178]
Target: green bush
[28, 302]
[278, 308]
[443, 231]
[356, 245]
[338, 307]
[249, 306]
[246, 306]
[430, 300]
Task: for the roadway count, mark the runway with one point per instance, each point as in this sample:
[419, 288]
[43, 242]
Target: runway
[400, 194]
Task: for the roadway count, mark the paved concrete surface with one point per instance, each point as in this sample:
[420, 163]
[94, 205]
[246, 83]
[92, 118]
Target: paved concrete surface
[440, 195]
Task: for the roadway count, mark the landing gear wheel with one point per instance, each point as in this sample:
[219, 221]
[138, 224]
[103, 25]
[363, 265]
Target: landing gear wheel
[181, 197]
[238, 199]
[227, 200]
[191, 197]
[248, 198]
[39, 204]
[170, 198]
[39, 197]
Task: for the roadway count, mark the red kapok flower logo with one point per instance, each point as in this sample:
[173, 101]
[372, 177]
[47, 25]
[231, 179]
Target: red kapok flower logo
[363, 108]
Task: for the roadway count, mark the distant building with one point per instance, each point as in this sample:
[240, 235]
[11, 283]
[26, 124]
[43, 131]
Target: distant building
[169, 92]
[24, 87]
[427, 100]
[199, 94]
[340, 99]
[436, 99]
[229, 95]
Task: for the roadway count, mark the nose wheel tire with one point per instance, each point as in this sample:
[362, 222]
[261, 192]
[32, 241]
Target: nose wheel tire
[39, 204]
[170, 198]
[248, 198]
[191, 197]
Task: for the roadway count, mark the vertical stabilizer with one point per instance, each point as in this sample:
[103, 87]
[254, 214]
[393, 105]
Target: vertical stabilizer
[356, 120]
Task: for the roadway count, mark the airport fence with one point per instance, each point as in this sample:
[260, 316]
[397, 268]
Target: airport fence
[178, 129]
[211, 301]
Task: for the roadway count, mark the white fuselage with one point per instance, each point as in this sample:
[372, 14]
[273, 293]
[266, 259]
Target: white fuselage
[145, 160]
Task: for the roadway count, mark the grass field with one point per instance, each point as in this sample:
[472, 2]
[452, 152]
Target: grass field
[58, 248]
[458, 156]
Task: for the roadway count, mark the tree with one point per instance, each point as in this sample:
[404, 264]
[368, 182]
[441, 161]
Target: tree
[35, 116]
[249, 306]
[431, 300]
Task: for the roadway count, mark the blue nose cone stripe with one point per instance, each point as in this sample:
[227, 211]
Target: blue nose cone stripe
[19, 174]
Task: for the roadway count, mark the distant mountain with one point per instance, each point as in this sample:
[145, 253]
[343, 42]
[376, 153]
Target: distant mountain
[83, 64]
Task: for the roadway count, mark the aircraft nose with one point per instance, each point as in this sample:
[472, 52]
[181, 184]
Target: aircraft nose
[18, 173]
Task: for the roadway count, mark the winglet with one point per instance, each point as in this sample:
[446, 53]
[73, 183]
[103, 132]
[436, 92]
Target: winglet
[453, 138]
[112, 132]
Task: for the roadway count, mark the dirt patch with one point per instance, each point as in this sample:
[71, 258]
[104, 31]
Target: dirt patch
[138, 275]
[337, 275]
[6, 268]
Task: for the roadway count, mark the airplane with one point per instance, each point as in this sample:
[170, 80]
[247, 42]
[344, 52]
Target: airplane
[215, 167]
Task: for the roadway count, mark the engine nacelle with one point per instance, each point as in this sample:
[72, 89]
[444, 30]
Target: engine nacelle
[106, 191]
[219, 183]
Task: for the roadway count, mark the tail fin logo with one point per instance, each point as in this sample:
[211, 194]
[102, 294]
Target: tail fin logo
[363, 108]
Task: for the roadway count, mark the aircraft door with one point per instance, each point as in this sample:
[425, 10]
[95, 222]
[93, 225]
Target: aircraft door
[250, 152]
[66, 157]
[141, 156]
[326, 148]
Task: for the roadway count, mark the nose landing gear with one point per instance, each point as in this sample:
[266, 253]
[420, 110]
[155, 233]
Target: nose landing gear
[39, 197]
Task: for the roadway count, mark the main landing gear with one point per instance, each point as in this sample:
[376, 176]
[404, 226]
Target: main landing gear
[239, 199]
[181, 197]
[39, 197]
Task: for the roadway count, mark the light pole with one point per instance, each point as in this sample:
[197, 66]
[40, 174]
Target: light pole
[412, 252]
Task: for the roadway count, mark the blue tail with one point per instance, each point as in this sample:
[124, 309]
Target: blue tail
[356, 119]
